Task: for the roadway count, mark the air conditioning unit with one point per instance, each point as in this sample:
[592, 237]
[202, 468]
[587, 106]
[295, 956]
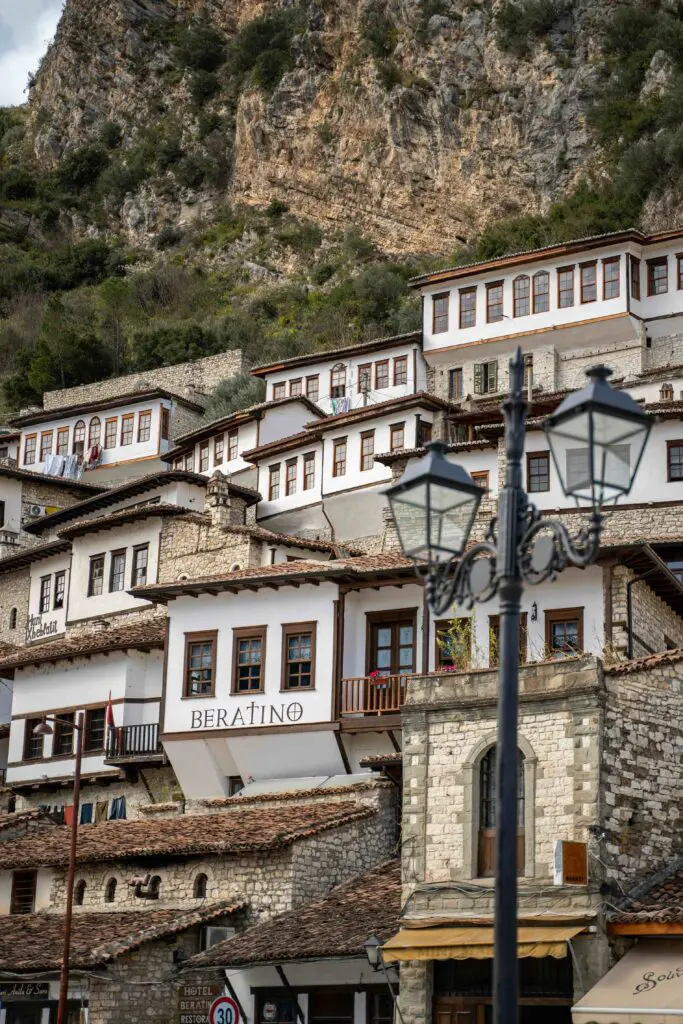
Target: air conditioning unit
[36, 510]
[213, 934]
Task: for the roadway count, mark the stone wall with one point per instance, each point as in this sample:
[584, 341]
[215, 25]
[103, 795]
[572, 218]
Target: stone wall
[192, 380]
[154, 785]
[14, 593]
[663, 352]
[656, 626]
[191, 548]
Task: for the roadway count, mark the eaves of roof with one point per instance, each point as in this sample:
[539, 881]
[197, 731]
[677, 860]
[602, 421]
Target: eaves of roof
[14, 473]
[101, 404]
[336, 353]
[143, 636]
[27, 556]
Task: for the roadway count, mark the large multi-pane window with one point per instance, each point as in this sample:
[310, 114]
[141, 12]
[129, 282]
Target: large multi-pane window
[94, 431]
[144, 425]
[63, 441]
[279, 391]
[610, 278]
[367, 450]
[382, 374]
[674, 454]
[23, 896]
[635, 277]
[295, 387]
[298, 656]
[486, 377]
[538, 471]
[541, 283]
[200, 664]
[233, 439]
[110, 431]
[440, 305]
[397, 436]
[33, 744]
[494, 302]
[274, 482]
[589, 282]
[309, 471]
[45, 591]
[127, 422]
[218, 449]
[60, 586]
[79, 438]
[30, 442]
[204, 457]
[95, 728]
[45, 444]
[658, 276]
[565, 287]
[290, 476]
[455, 387]
[521, 291]
[140, 562]
[563, 631]
[339, 457]
[468, 307]
[96, 575]
[313, 387]
[400, 370]
[338, 382]
[63, 739]
[117, 571]
[248, 659]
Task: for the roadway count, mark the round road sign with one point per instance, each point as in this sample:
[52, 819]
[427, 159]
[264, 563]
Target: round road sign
[224, 1010]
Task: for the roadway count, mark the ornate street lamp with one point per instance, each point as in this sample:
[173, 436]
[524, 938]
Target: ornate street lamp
[596, 437]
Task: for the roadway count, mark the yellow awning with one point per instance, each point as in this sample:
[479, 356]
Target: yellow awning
[476, 943]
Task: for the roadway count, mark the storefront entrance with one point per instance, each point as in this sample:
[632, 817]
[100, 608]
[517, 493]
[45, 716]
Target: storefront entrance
[463, 988]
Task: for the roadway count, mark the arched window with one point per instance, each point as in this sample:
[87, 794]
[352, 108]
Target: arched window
[79, 438]
[13, 619]
[94, 431]
[79, 892]
[520, 295]
[200, 887]
[110, 891]
[666, 393]
[541, 292]
[154, 885]
[487, 813]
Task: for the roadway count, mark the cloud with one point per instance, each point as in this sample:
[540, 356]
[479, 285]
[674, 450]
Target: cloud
[25, 33]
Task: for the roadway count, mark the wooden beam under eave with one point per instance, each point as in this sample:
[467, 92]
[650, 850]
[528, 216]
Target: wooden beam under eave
[645, 928]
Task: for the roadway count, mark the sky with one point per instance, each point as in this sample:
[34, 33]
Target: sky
[26, 28]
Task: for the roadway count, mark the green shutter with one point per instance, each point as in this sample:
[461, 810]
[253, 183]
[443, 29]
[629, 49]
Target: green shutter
[493, 376]
[478, 379]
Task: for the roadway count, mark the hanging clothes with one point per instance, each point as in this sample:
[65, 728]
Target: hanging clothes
[118, 809]
[86, 814]
[69, 815]
[101, 810]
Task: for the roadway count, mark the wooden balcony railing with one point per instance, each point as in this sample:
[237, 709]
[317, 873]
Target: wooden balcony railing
[130, 742]
[372, 695]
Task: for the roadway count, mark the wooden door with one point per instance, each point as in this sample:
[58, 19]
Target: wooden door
[391, 649]
[453, 1010]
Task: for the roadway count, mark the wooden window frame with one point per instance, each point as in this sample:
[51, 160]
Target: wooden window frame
[384, 365]
[571, 269]
[111, 432]
[292, 384]
[64, 726]
[45, 596]
[494, 626]
[481, 477]
[397, 616]
[61, 433]
[489, 288]
[588, 265]
[341, 387]
[441, 626]
[165, 423]
[486, 377]
[91, 441]
[141, 413]
[452, 397]
[365, 435]
[201, 637]
[289, 479]
[673, 443]
[113, 555]
[309, 460]
[400, 361]
[634, 278]
[218, 450]
[424, 432]
[26, 874]
[364, 367]
[137, 549]
[29, 738]
[466, 293]
[60, 576]
[189, 462]
[88, 745]
[679, 271]
[537, 455]
[441, 297]
[394, 428]
[515, 300]
[80, 424]
[93, 559]
[274, 482]
[128, 417]
[204, 456]
[553, 615]
[340, 442]
[294, 629]
[313, 377]
[658, 261]
[535, 294]
[611, 261]
[248, 633]
[27, 438]
[43, 452]
[279, 391]
[233, 443]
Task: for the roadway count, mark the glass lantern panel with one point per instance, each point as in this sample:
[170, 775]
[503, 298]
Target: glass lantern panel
[613, 429]
[450, 528]
[578, 469]
[410, 516]
[613, 470]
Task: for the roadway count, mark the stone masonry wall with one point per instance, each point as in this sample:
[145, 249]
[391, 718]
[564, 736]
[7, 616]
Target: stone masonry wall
[154, 785]
[643, 776]
[188, 379]
[198, 550]
[655, 624]
[14, 593]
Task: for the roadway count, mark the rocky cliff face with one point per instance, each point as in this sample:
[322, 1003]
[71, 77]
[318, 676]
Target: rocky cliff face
[420, 149]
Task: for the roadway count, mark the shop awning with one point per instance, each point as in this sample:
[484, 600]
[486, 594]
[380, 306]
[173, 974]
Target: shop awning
[476, 943]
[645, 987]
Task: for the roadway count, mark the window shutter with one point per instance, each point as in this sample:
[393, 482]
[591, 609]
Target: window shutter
[478, 378]
[493, 377]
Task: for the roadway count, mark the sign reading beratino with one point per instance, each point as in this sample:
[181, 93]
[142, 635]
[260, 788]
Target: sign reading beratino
[249, 714]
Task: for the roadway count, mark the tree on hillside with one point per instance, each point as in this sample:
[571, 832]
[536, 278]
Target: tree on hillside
[233, 394]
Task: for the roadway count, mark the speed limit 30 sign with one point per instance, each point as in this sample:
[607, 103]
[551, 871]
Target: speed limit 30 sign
[224, 1010]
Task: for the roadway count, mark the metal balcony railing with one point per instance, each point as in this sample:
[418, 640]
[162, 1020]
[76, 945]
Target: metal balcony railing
[133, 742]
[372, 695]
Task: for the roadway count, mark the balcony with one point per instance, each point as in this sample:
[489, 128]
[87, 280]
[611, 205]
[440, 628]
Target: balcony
[134, 744]
[375, 696]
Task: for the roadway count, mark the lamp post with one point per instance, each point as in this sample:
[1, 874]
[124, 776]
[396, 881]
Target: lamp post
[596, 438]
[44, 728]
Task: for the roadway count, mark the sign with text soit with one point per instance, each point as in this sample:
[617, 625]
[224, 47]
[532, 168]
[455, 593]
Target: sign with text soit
[246, 715]
[194, 1002]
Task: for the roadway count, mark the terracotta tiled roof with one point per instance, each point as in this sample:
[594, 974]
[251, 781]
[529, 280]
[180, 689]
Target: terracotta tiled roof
[334, 353]
[285, 539]
[126, 515]
[223, 422]
[396, 757]
[127, 398]
[416, 453]
[25, 556]
[141, 636]
[230, 832]
[23, 820]
[650, 661]
[660, 900]
[336, 926]
[26, 474]
[33, 942]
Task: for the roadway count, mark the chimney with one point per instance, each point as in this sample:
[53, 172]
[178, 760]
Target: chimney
[217, 501]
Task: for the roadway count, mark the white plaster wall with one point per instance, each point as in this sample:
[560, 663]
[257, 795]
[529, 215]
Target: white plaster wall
[43, 889]
[300, 498]
[128, 536]
[247, 437]
[49, 567]
[10, 493]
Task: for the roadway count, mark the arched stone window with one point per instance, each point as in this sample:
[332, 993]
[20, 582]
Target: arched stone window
[486, 839]
[13, 619]
[666, 392]
[79, 892]
[200, 887]
[541, 292]
[79, 438]
[520, 295]
[110, 891]
[154, 885]
[94, 431]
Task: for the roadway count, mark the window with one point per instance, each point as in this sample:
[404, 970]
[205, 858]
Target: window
[79, 892]
[200, 664]
[204, 457]
[94, 431]
[381, 1007]
[610, 278]
[528, 371]
[144, 425]
[423, 433]
[33, 745]
[494, 302]
[79, 438]
[657, 276]
[440, 305]
[23, 898]
[338, 382]
[589, 282]
[537, 472]
[95, 729]
[279, 391]
[520, 295]
[309, 471]
[110, 891]
[165, 423]
[249, 650]
[218, 449]
[541, 292]
[110, 432]
[494, 639]
[199, 887]
[400, 370]
[290, 476]
[676, 569]
[13, 619]
[117, 571]
[127, 428]
[487, 813]
[45, 588]
[679, 270]
[367, 450]
[140, 561]
[485, 378]
[313, 387]
[397, 435]
[298, 656]
[382, 374]
[481, 478]
[391, 650]
[635, 277]
[63, 441]
[30, 449]
[455, 390]
[45, 444]
[453, 639]
[274, 482]
[233, 442]
[63, 739]
[235, 784]
[565, 287]
[331, 1006]
[674, 460]
[189, 462]
[563, 632]
[468, 307]
[339, 457]
[618, 463]
[295, 388]
[96, 575]
[2, 514]
[364, 378]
